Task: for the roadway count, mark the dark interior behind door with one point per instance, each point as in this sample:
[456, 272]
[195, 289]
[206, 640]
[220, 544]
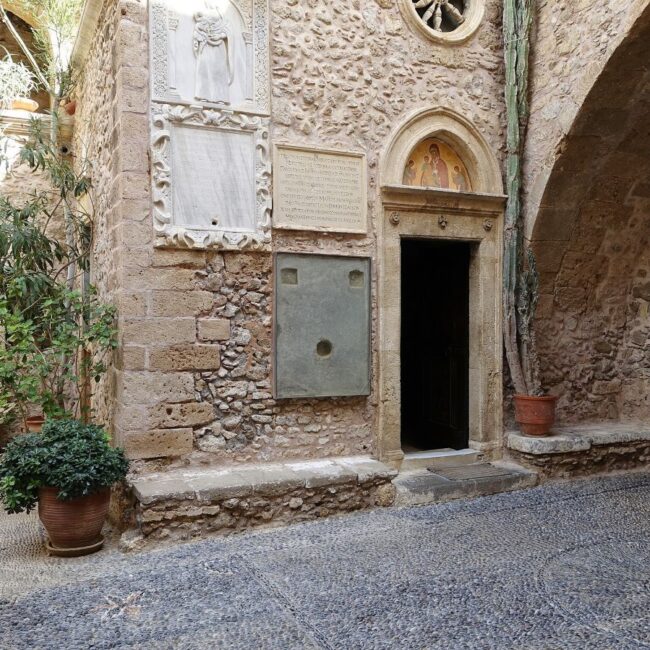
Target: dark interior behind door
[435, 344]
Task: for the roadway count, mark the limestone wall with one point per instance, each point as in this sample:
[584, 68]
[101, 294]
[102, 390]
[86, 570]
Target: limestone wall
[193, 375]
[593, 330]
[112, 91]
[591, 240]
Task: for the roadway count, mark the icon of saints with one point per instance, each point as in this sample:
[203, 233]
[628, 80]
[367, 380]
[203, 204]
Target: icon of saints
[409, 173]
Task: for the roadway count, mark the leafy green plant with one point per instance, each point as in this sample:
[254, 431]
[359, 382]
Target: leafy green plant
[16, 81]
[74, 457]
[50, 361]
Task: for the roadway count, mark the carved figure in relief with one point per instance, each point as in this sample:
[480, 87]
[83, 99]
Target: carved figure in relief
[439, 167]
[212, 44]
[409, 173]
[433, 14]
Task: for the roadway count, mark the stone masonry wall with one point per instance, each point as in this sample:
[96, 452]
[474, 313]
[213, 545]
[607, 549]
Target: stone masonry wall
[591, 243]
[593, 330]
[190, 518]
[112, 100]
[193, 378]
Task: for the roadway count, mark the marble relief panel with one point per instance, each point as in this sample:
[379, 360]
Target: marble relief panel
[210, 156]
[211, 52]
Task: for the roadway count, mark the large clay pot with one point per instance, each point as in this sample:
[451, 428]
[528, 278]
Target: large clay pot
[74, 527]
[535, 415]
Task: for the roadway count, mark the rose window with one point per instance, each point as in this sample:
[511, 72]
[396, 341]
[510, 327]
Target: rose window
[442, 15]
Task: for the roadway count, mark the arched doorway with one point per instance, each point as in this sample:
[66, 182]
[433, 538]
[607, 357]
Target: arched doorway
[440, 289]
[591, 238]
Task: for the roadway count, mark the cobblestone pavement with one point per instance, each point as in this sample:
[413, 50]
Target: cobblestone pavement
[561, 566]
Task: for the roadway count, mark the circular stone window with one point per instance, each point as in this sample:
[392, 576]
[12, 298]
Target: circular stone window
[445, 21]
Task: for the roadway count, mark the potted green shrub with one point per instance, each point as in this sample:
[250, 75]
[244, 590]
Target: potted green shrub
[68, 469]
[16, 85]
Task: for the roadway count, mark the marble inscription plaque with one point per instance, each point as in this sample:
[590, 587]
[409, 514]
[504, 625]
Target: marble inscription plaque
[211, 177]
[317, 189]
[214, 179]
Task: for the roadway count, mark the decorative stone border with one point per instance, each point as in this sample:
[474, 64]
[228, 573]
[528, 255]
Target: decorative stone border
[473, 18]
[473, 217]
[168, 233]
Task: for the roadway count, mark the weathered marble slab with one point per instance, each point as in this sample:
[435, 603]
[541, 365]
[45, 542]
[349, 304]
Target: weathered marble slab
[211, 173]
[319, 189]
[214, 178]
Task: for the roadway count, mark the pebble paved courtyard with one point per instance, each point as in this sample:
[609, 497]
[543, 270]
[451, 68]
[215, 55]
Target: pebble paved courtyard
[561, 566]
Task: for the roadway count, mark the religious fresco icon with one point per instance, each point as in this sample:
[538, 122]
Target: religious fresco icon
[433, 163]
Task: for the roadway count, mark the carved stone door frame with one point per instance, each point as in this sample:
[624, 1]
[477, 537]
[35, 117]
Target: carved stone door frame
[444, 216]
[474, 217]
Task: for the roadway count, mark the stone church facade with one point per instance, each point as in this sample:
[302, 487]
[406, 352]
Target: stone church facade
[273, 182]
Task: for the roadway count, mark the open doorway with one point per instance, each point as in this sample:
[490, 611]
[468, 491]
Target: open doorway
[434, 344]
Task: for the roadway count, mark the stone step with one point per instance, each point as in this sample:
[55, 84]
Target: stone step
[583, 449]
[439, 458]
[419, 487]
[189, 502]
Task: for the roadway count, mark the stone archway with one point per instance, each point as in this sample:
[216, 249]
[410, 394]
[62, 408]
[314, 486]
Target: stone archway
[591, 237]
[443, 215]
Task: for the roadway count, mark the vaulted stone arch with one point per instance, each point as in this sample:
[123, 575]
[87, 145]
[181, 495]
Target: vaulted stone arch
[590, 237]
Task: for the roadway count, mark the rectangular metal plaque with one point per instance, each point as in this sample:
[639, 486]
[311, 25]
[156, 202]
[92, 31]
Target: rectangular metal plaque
[319, 189]
[322, 326]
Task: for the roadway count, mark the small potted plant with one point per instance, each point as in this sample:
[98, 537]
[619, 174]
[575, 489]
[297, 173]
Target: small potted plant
[68, 469]
[16, 84]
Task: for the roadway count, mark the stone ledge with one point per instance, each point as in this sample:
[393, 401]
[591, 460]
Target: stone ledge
[185, 503]
[262, 480]
[579, 438]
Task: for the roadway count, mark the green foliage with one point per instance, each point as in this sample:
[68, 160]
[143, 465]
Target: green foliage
[16, 81]
[29, 257]
[49, 360]
[74, 457]
[519, 278]
[55, 29]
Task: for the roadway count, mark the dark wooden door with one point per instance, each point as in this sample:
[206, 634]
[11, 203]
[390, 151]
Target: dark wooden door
[435, 344]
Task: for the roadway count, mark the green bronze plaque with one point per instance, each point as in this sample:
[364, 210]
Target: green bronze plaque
[322, 326]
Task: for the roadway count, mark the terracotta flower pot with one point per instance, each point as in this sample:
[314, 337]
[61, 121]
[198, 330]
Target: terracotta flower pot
[35, 423]
[24, 104]
[535, 415]
[71, 107]
[74, 527]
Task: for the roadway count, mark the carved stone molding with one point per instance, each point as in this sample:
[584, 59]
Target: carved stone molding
[212, 52]
[444, 21]
[199, 199]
